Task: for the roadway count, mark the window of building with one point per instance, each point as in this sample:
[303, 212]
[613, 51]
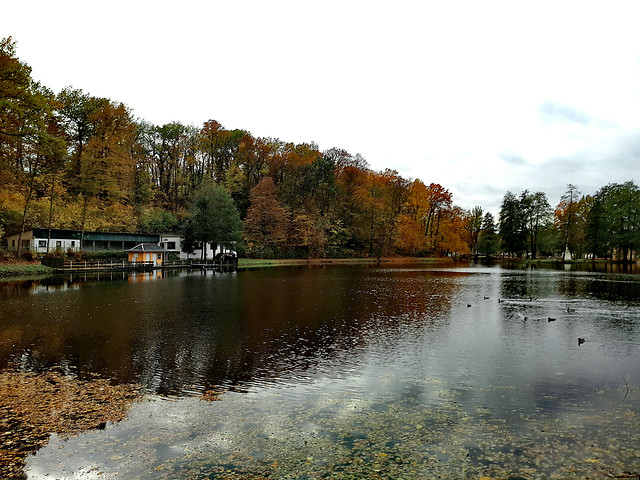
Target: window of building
[170, 245]
[59, 244]
[73, 243]
[42, 244]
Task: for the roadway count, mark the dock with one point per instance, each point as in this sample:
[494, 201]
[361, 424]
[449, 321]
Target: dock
[90, 266]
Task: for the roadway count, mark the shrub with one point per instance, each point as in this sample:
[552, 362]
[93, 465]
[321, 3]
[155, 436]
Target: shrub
[29, 256]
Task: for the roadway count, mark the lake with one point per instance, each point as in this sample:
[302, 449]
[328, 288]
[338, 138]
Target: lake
[419, 371]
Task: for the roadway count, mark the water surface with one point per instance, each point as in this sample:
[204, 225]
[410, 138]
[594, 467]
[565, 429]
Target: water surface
[344, 372]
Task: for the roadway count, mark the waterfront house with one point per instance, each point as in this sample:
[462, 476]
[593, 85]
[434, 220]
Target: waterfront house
[146, 252]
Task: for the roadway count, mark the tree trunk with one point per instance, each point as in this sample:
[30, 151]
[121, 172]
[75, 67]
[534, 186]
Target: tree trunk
[53, 183]
[24, 213]
[84, 217]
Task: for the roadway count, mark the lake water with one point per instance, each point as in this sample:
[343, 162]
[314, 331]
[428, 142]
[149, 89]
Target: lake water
[395, 372]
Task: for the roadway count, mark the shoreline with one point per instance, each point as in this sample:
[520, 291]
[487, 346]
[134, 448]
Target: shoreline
[30, 270]
[26, 270]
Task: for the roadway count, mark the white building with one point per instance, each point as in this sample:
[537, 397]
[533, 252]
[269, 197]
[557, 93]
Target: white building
[172, 243]
[43, 240]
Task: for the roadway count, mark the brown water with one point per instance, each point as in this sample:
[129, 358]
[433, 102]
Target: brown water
[344, 372]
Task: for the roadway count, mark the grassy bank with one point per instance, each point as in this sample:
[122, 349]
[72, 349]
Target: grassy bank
[258, 262]
[28, 270]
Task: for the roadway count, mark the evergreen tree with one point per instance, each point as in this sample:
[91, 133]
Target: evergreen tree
[488, 240]
[512, 231]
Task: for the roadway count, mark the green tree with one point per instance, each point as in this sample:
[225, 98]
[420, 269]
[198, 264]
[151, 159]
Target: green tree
[618, 218]
[512, 225]
[537, 213]
[488, 240]
[597, 237]
[157, 221]
[215, 218]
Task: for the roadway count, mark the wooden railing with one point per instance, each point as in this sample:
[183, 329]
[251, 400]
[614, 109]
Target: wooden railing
[96, 265]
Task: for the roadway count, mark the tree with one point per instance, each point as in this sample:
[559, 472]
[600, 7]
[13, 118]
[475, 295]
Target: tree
[512, 225]
[537, 212]
[265, 223]
[439, 201]
[596, 235]
[215, 218]
[76, 113]
[566, 212]
[158, 221]
[615, 219]
[29, 141]
[454, 235]
[488, 240]
[474, 226]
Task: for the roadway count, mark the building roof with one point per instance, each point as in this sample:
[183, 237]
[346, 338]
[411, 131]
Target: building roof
[59, 233]
[146, 247]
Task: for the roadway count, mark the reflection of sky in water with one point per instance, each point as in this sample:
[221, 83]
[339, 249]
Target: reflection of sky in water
[412, 374]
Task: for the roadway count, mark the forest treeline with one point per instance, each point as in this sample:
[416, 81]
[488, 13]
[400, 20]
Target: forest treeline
[72, 160]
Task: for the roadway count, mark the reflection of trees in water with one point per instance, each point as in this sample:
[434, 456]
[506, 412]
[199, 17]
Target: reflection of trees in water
[276, 325]
[232, 330]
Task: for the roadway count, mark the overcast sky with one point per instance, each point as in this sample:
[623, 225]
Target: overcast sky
[479, 96]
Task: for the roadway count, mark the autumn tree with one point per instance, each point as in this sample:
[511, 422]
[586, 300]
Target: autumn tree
[250, 165]
[566, 219]
[219, 149]
[474, 226]
[454, 235]
[29, 141]
[105, 180]
[265, 223]
[76, 112]
[439, 201]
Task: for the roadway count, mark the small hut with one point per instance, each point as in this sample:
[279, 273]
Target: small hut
[146, 252]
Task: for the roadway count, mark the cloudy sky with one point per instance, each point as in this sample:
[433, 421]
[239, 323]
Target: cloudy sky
[481, 97]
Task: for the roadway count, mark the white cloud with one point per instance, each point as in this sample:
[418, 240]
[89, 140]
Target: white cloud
[440, 91]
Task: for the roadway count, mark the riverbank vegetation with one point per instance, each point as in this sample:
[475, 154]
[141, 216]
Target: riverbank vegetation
[25, 270]
[72, 160]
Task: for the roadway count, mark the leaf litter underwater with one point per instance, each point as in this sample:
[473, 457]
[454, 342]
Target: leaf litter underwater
[270, 434]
